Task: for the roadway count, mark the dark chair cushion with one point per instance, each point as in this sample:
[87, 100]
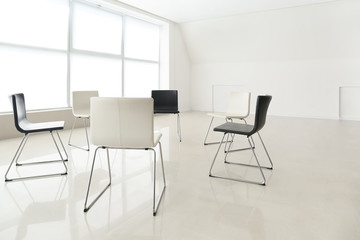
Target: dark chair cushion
[237, 128]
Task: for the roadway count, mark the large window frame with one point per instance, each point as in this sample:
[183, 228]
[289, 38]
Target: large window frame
[71, 51]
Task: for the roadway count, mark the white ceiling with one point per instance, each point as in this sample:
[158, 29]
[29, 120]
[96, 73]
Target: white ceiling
[192, 10]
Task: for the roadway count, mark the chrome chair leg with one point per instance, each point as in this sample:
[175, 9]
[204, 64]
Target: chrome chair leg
[178, 126]
[272, 165]
[217, 152]
[240, 149]
[262, 174]
[73, 126]
[86, 133]
[162, 163]
[19, 151]
[207, 133]
[235, 179]
[156, 204]
[252, 147]
[87, 207]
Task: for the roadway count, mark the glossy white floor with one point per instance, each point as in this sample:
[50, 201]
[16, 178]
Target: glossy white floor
[312, 193]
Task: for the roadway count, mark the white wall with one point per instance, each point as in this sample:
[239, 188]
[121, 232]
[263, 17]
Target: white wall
[301, 56]
[180, 69]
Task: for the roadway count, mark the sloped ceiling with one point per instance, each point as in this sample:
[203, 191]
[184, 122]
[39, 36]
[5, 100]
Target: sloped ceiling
[181, 11]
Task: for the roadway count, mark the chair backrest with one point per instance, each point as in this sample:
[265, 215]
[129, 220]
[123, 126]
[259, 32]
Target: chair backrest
[122, 122]
[239, 104]
[165, 101]
[262, 105]
[18, 104]
[81, 101]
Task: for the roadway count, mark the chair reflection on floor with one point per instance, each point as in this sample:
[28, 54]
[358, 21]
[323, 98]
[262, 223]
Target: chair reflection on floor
[39, 210]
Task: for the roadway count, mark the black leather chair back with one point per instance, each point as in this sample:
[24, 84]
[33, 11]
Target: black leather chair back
[165, 101]
[18, 103]
[262, 105]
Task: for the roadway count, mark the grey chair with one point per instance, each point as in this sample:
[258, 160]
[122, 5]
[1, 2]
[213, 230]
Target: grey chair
[166, 102]
[247, 130]
[24, 126]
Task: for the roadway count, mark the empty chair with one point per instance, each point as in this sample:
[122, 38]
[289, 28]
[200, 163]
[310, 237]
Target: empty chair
[166, 101]
[24, 126]
[238, 108]
[124, 123]
[247, 130]
[81, 110]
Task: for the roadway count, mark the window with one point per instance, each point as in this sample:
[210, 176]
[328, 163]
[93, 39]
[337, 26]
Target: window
[141, 40]
[96, 73]
[49, 48]
[37, 23]
[96, 30]
[141, 68]
[33, 52]
[140, 78]
[96, 60]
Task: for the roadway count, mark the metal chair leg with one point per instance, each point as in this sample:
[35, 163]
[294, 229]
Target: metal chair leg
[156, 204]
[178, 126]
[240, 149]
[234, 179]
[217, 152]
[86, 133]
[19, 151]
[252, 147]
[257, 163]
[272, 165]
[207, 133]
[87, 207]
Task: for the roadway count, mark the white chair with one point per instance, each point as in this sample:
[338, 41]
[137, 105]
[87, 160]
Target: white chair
[81, 109]
[123, 123]
[238, 108]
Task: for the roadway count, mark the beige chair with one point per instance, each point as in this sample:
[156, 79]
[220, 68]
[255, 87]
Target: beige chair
[81, 109]
[238, 108]
[124, 123]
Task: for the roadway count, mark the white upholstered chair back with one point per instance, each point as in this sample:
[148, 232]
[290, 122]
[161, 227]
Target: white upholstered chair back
[81, 102]
[239, 105]
[122, 122]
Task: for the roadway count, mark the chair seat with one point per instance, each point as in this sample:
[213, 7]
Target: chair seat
[82, 113]
[28, 127]
[226, 115]
[237, 128]
[166, 111]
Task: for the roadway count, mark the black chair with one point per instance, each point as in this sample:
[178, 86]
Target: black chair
[26, 127]
[247, 130]
[166, 102]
